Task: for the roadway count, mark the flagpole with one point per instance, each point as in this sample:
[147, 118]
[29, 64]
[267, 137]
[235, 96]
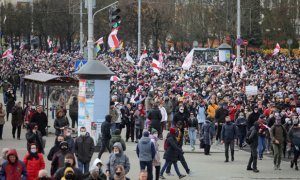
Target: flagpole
[139, 29]
[238, 30]
[81, 29]
[90, 41]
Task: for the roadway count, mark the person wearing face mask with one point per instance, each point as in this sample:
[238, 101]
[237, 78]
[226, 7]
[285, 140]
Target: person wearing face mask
[117, 157]
[253, 138]
[34, 162]
[253, 117]
[55, 148]
[241, 124]
[69, 170]
[59, 157]
[68, 138]
[180, 117]
[43, 175]
[294, 141]
[120, 173]
[106, 136]
[84, 150]
[96, 172]
[278, 136]
[228, 136]
[33, 135]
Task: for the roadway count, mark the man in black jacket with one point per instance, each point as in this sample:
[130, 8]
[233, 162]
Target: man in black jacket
[105, 131]
[228, 135]
[84, 150]
[40, 118]
[253, 139]
[221, 113]
[253, 117]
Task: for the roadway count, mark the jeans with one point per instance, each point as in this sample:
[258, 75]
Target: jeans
[138, 133]
[227, 144]
[1, 130]
[14, 131]
[241, 140]
[84, 167]
[206, 149]
[183, 163]
[192, 136]
[53, 108]
[113, 127]
[277, 154]
[261, 146]
[74, 119]
[169, 163]
[148, 164]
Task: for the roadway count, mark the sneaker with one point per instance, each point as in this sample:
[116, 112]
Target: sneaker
[226, 160]
[162, 177]
[296, 168]
[278, 168]
[182, 176]
[232, 158]
[170, 174]
[292, 163]
[255, 170]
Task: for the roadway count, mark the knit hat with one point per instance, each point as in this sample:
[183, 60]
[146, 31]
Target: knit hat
[172, 130]
[153, 131]
[63, 143]
[146, 134]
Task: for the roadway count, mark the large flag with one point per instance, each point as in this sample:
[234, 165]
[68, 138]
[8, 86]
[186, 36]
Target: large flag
[155, 66]
[113, 40]
[161, 58]
[129, 58]
[188, 61]
[99, 41]
[243, 69]
[8, 54]
[276, 50]
[143, 56]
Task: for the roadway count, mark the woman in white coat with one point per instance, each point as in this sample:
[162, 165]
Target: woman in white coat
[164, 118]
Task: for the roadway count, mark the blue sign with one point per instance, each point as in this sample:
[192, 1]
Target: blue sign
[79, 64]
[239, 41]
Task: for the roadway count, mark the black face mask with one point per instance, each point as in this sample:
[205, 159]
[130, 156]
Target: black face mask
[118, 173]
[70, 176]
[43, 178]
[64, 149]
[67, 164]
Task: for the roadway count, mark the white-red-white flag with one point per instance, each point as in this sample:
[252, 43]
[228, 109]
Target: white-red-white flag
[114, 78]
[155, 66]
[161, 58]
[143, 56]
[243, 69]
[188, 61]
[276, 50]
[129, 58]
[99, 41]
[113, 40]
[8, 54]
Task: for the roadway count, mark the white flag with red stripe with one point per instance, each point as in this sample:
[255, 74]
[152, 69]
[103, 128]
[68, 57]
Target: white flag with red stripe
[276, 50]
[49, 42]
[113, 40]
[155, 66]
[161, 58]
[114, 78]
[143, 56]
[99, 41]
[8, 54]
[188, 61]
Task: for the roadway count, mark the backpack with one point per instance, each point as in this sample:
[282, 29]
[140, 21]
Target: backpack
[248, 140]
[166, 144]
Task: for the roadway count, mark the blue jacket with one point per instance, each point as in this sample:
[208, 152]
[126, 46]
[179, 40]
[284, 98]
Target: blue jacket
[229, 132]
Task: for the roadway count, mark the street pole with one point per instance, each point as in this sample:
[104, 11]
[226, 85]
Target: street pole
[238, 30]
[81, 29]
[31, 37]
[139, 28]
[90, 42]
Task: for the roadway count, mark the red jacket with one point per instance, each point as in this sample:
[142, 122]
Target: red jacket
[13, 171]
[34, 165]
[232, 111]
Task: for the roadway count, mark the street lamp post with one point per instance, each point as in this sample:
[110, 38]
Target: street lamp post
[81, 29]
[139, 28]
[238, 30]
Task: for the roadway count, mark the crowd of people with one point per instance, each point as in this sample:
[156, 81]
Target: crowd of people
[210, 105]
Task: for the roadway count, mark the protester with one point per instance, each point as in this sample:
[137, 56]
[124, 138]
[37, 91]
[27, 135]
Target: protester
[69, 170]
[60, 122]
[34, 162]
[2, 119]
[278, 135]
[294, 139]
[139, 116]
[17, 120]
[13, 164]
[116, 137]
[155, 116]
[73, 111]
[40, 118]
[59, 157]
[145, 151]
[69, 139]
[106, 136]
[55, 148]
[43, 175]
[193, 129]
[10, 97]
[34, 136]
[207, 135]
[241, 124]
[228, 136]
[253, 141]
[117, 157]
[96, 171]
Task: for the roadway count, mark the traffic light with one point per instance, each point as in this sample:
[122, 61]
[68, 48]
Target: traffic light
[114, 18]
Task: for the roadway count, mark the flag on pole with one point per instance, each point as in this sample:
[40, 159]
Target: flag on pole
[113, 40]
[243, 69]
[235, 66]
[161, 58]
[99, 41]
[155, 66]
[129, 58]
[49, 42]
[276, 50]
[4, 19]
[8, 54]
[143, 56]
[188, 61]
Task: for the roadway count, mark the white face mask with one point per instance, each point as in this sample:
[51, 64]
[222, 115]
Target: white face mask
[82, 133]
[33, 150]
[116, 152]
[181, 110]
